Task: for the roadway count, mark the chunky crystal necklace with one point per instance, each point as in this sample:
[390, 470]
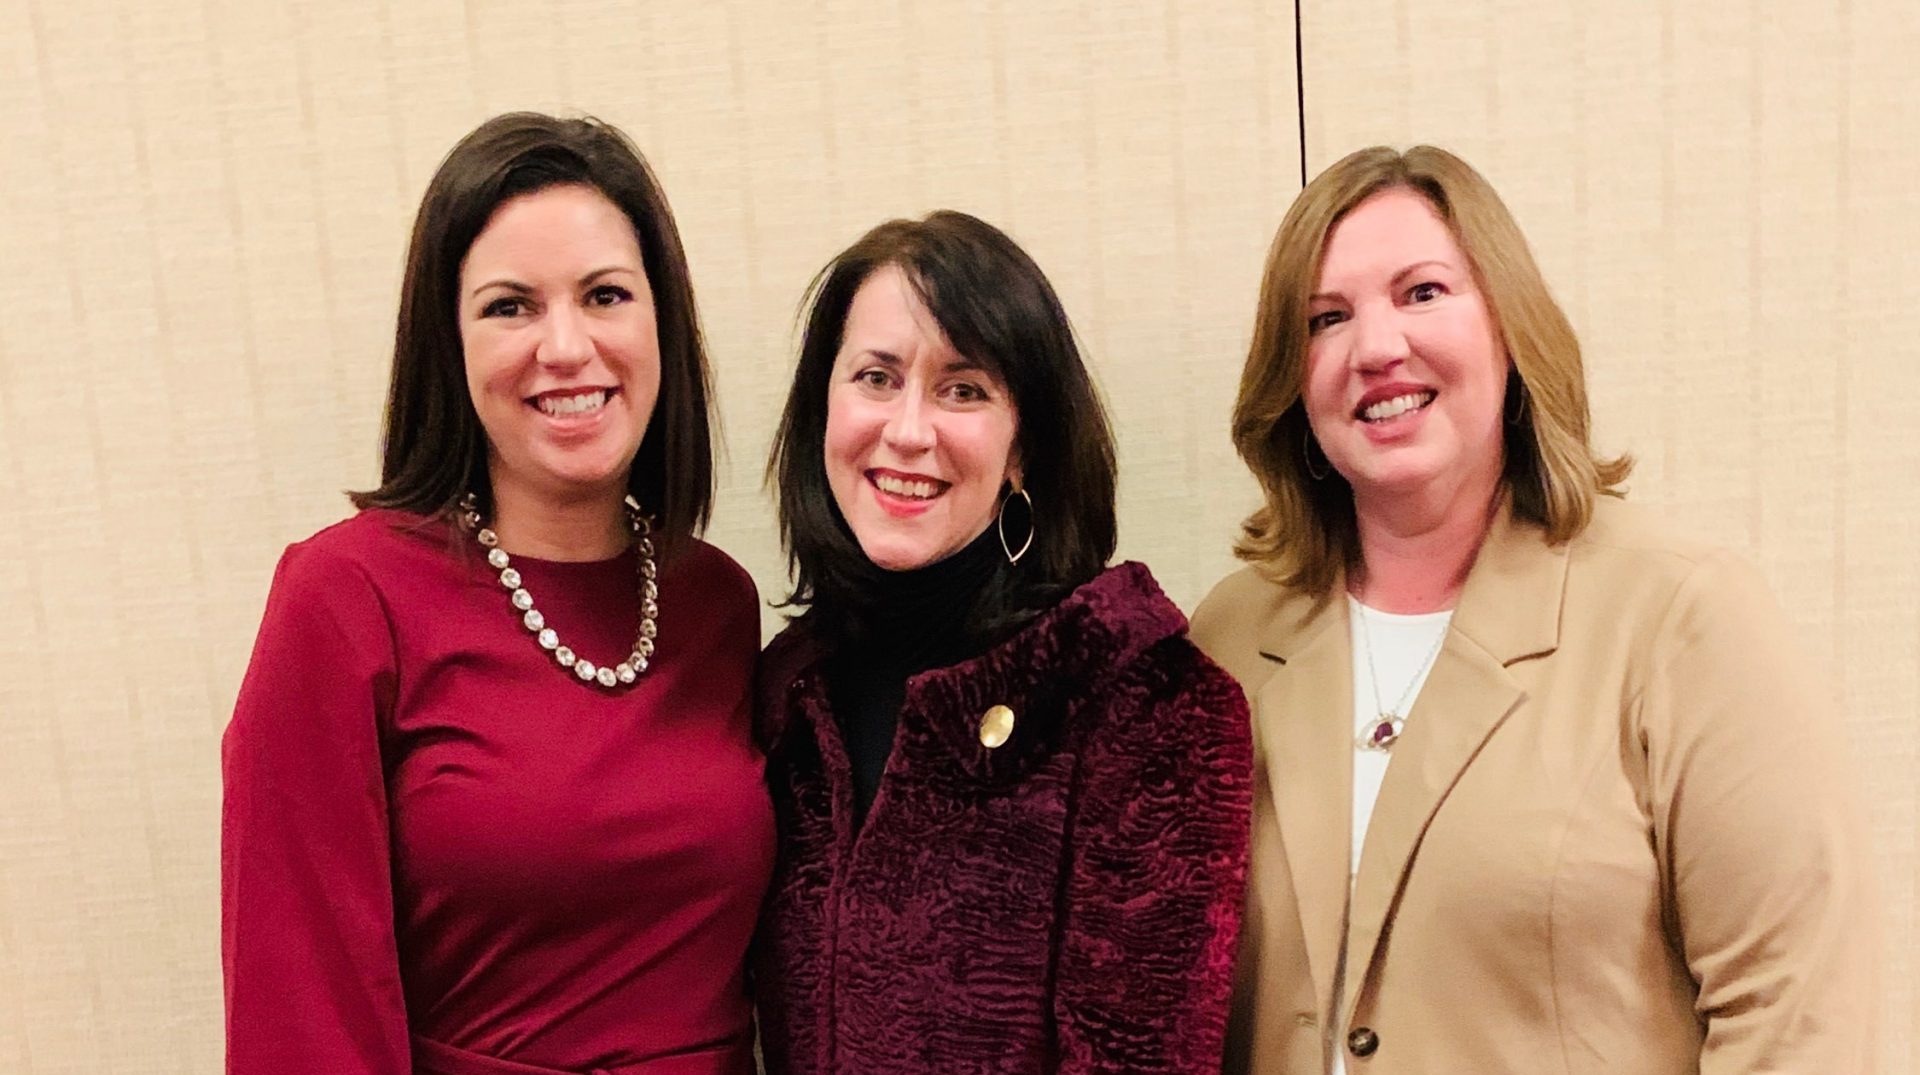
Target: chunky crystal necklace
[611, 678]
[1384, 731]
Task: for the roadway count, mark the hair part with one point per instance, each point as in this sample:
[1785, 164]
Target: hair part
[434, 449]
[997, 309]
[1305, 533]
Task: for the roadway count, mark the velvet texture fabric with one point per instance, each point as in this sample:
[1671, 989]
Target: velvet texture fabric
[1067, 902]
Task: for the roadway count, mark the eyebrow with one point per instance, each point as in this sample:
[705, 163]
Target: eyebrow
[960, 362]
[519, 288]
[1417, 266]
[1320, 296]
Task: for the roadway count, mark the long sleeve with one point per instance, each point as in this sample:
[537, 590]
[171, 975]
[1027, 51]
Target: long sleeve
[1770, 886]
[307, 924]
[1157, 872]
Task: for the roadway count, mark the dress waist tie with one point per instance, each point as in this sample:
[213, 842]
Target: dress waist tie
[727, 1058]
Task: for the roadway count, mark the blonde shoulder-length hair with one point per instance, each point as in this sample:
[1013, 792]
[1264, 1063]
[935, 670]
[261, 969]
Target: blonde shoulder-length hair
[1305, 534]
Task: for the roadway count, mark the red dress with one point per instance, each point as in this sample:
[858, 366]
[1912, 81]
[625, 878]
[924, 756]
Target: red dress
[443, 854]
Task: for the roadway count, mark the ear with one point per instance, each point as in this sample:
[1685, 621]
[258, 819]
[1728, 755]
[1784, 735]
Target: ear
[1015, 475]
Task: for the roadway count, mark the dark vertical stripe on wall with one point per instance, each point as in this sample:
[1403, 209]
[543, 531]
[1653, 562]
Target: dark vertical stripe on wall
[1300, 90]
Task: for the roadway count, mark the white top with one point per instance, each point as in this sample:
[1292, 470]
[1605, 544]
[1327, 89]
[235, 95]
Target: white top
[1403, 650]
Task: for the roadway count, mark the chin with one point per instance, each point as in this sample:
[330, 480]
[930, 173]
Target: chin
[894, 555]
[899, 561]
[1396, 467]
[589, 475]
[1419, 479]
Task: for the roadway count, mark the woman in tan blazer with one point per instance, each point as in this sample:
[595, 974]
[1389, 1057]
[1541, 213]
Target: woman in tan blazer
[1539, 786]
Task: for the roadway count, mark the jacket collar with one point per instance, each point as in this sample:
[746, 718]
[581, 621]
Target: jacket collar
[1048, 665]
[1509, 611]
[1514, 559]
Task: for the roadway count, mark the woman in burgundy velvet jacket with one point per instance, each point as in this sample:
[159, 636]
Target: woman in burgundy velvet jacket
[1012, 798]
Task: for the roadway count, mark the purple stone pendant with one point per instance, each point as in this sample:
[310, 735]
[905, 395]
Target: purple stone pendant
[1382, 734]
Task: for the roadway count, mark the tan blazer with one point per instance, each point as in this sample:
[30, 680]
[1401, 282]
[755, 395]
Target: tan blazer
[1615, 838]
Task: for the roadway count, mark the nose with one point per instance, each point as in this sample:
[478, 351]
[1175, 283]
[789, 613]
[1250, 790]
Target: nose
[568, 341]
[909, 427]
[1379, 340]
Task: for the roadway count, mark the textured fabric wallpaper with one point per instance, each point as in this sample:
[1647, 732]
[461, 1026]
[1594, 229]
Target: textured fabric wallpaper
[205, 206]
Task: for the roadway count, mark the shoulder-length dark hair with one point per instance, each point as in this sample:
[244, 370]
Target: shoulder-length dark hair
[435, 450]
[996, 308]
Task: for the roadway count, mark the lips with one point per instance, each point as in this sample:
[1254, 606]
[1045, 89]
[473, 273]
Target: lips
[910, 487]
[1388, 403]
[905, 495]
[564, 403]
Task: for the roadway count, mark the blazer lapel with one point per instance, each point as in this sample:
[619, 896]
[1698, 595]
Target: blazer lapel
[1509, 610]
[1303, 711]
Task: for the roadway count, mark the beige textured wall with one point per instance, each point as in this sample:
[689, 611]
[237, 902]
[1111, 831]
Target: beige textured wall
[203, 206]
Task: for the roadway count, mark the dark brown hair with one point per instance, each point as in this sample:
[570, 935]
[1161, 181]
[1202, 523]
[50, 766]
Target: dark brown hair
[1306, 532]
[434, 448]
[997, 309]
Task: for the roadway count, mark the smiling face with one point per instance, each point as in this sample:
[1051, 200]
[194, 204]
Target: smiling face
[562, 358]
[919, 438]
[1406, 373]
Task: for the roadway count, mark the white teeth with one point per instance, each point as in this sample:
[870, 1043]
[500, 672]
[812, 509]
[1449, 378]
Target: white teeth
[1398, 405]
[901, 487]
[582, 403]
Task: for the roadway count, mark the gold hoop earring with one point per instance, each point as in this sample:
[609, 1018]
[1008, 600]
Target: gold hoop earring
[1320, 473]
[1000, 524]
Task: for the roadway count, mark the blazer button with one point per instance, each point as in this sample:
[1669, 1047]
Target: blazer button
[1363, 1042]
[996, 727]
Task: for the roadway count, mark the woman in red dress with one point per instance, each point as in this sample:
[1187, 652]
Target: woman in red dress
[492, 806]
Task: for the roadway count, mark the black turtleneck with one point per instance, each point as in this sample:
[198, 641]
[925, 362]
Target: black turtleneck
[911, 621]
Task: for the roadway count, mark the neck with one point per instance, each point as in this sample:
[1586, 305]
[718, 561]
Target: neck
[1415, 554]
[922, 617]
[592, 527]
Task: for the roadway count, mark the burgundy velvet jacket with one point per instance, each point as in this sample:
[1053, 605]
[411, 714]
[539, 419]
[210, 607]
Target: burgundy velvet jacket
[1066, 902]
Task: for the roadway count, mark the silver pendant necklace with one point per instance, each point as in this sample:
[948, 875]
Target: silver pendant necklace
[1384, 731]
[609, 677]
